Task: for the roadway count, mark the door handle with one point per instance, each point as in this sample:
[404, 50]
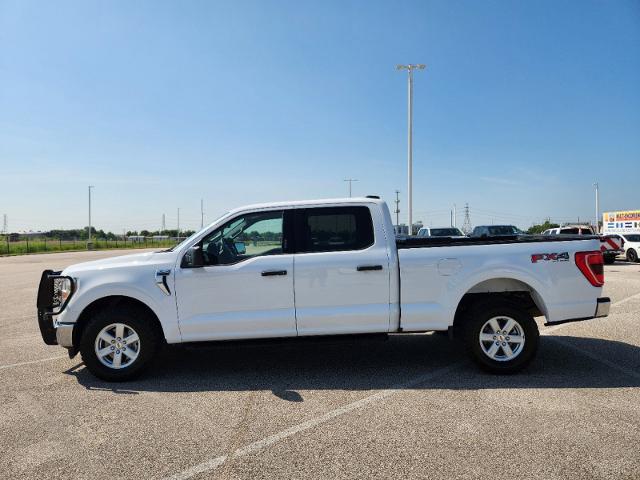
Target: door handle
[273, 273]
[368, 268]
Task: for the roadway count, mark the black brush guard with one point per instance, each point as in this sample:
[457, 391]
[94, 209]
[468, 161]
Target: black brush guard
[45, 305]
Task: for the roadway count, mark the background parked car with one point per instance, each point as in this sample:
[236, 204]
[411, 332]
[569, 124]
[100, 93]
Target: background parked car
[631, 246]
[570, 230]
[440, 232]
[612, 245]
[496, 231]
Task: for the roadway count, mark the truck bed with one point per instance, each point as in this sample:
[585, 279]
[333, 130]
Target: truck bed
[426, 242]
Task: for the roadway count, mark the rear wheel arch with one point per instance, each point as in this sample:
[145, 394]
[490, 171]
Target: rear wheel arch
[507, 290]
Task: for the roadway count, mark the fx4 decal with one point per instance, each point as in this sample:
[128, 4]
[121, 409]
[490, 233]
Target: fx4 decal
[550, 257]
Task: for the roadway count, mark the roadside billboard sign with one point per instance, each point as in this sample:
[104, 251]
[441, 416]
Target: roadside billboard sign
[627, 221]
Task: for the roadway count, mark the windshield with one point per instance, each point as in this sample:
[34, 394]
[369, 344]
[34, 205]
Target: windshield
[445, 232]
[188, 239]
[632, 238]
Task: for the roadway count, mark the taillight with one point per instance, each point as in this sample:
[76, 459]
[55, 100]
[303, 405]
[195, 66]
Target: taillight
[591, 264]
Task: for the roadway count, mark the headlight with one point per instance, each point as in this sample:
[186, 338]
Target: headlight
[62, 290]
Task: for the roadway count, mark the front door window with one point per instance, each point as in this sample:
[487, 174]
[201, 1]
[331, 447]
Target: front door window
[247, 236]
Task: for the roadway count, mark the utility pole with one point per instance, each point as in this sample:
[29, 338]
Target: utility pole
[597, 224]
[178, 235]
[410, 68]
[455, 215]
[5, 225]
[451, 218]
[89, 240]
[201, 214]
[163, 225]
[397, 210]
[350, 180]
[466, 226]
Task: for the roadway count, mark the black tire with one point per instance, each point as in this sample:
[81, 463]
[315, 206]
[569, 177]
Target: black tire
[632, 255]
[478, 317]
[136, 319]
[609, 259]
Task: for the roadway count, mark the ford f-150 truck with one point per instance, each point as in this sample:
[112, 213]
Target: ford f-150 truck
[324, 267]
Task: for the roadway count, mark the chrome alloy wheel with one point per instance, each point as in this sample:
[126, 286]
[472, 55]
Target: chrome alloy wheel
[501, 338]
[117, 345]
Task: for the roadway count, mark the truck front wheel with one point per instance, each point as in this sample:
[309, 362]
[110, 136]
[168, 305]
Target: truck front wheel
[501, 337]
[117, 345]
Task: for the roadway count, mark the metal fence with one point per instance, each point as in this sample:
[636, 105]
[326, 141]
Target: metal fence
[25, 244]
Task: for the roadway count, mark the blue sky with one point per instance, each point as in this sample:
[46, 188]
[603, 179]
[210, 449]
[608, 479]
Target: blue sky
[158, 104]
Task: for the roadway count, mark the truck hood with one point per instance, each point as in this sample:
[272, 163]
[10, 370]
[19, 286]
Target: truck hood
[122, 261]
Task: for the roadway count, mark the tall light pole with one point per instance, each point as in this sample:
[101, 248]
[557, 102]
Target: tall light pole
[201, 214]
[89, 240]
[178, 222]
[410, 68]
[455, 213]
[597, 208]
[350, 180]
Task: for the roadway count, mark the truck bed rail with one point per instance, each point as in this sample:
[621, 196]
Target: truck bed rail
[427, 242]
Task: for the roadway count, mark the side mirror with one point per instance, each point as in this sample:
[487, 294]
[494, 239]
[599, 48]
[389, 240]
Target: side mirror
[193, 258]
[241, 248]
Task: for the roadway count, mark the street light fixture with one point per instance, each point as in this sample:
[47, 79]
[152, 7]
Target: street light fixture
[410, 68]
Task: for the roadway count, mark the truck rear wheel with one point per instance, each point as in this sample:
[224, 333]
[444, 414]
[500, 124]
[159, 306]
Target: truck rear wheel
[501, 337]
[117, 344]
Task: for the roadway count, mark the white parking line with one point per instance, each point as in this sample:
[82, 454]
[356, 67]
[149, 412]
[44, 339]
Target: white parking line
[588, 353]
[2, 367]
[256, 446]
[549, 330]
[625, 300]
[597, 358]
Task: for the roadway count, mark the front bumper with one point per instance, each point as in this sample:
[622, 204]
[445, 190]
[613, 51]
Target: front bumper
[603, 304]
[64, 334]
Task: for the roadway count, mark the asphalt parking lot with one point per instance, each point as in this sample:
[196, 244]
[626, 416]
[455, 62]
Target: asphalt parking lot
[410, 407]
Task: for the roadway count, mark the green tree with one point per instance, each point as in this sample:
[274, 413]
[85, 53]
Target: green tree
[539, 228]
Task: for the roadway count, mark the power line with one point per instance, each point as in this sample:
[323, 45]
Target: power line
[350, 180]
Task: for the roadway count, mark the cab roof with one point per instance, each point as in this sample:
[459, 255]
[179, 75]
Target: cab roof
[303, 203]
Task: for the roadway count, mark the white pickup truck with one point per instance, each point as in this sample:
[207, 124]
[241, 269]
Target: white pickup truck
[325, 267]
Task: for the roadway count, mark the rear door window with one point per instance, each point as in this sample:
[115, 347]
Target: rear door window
[330, 229]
